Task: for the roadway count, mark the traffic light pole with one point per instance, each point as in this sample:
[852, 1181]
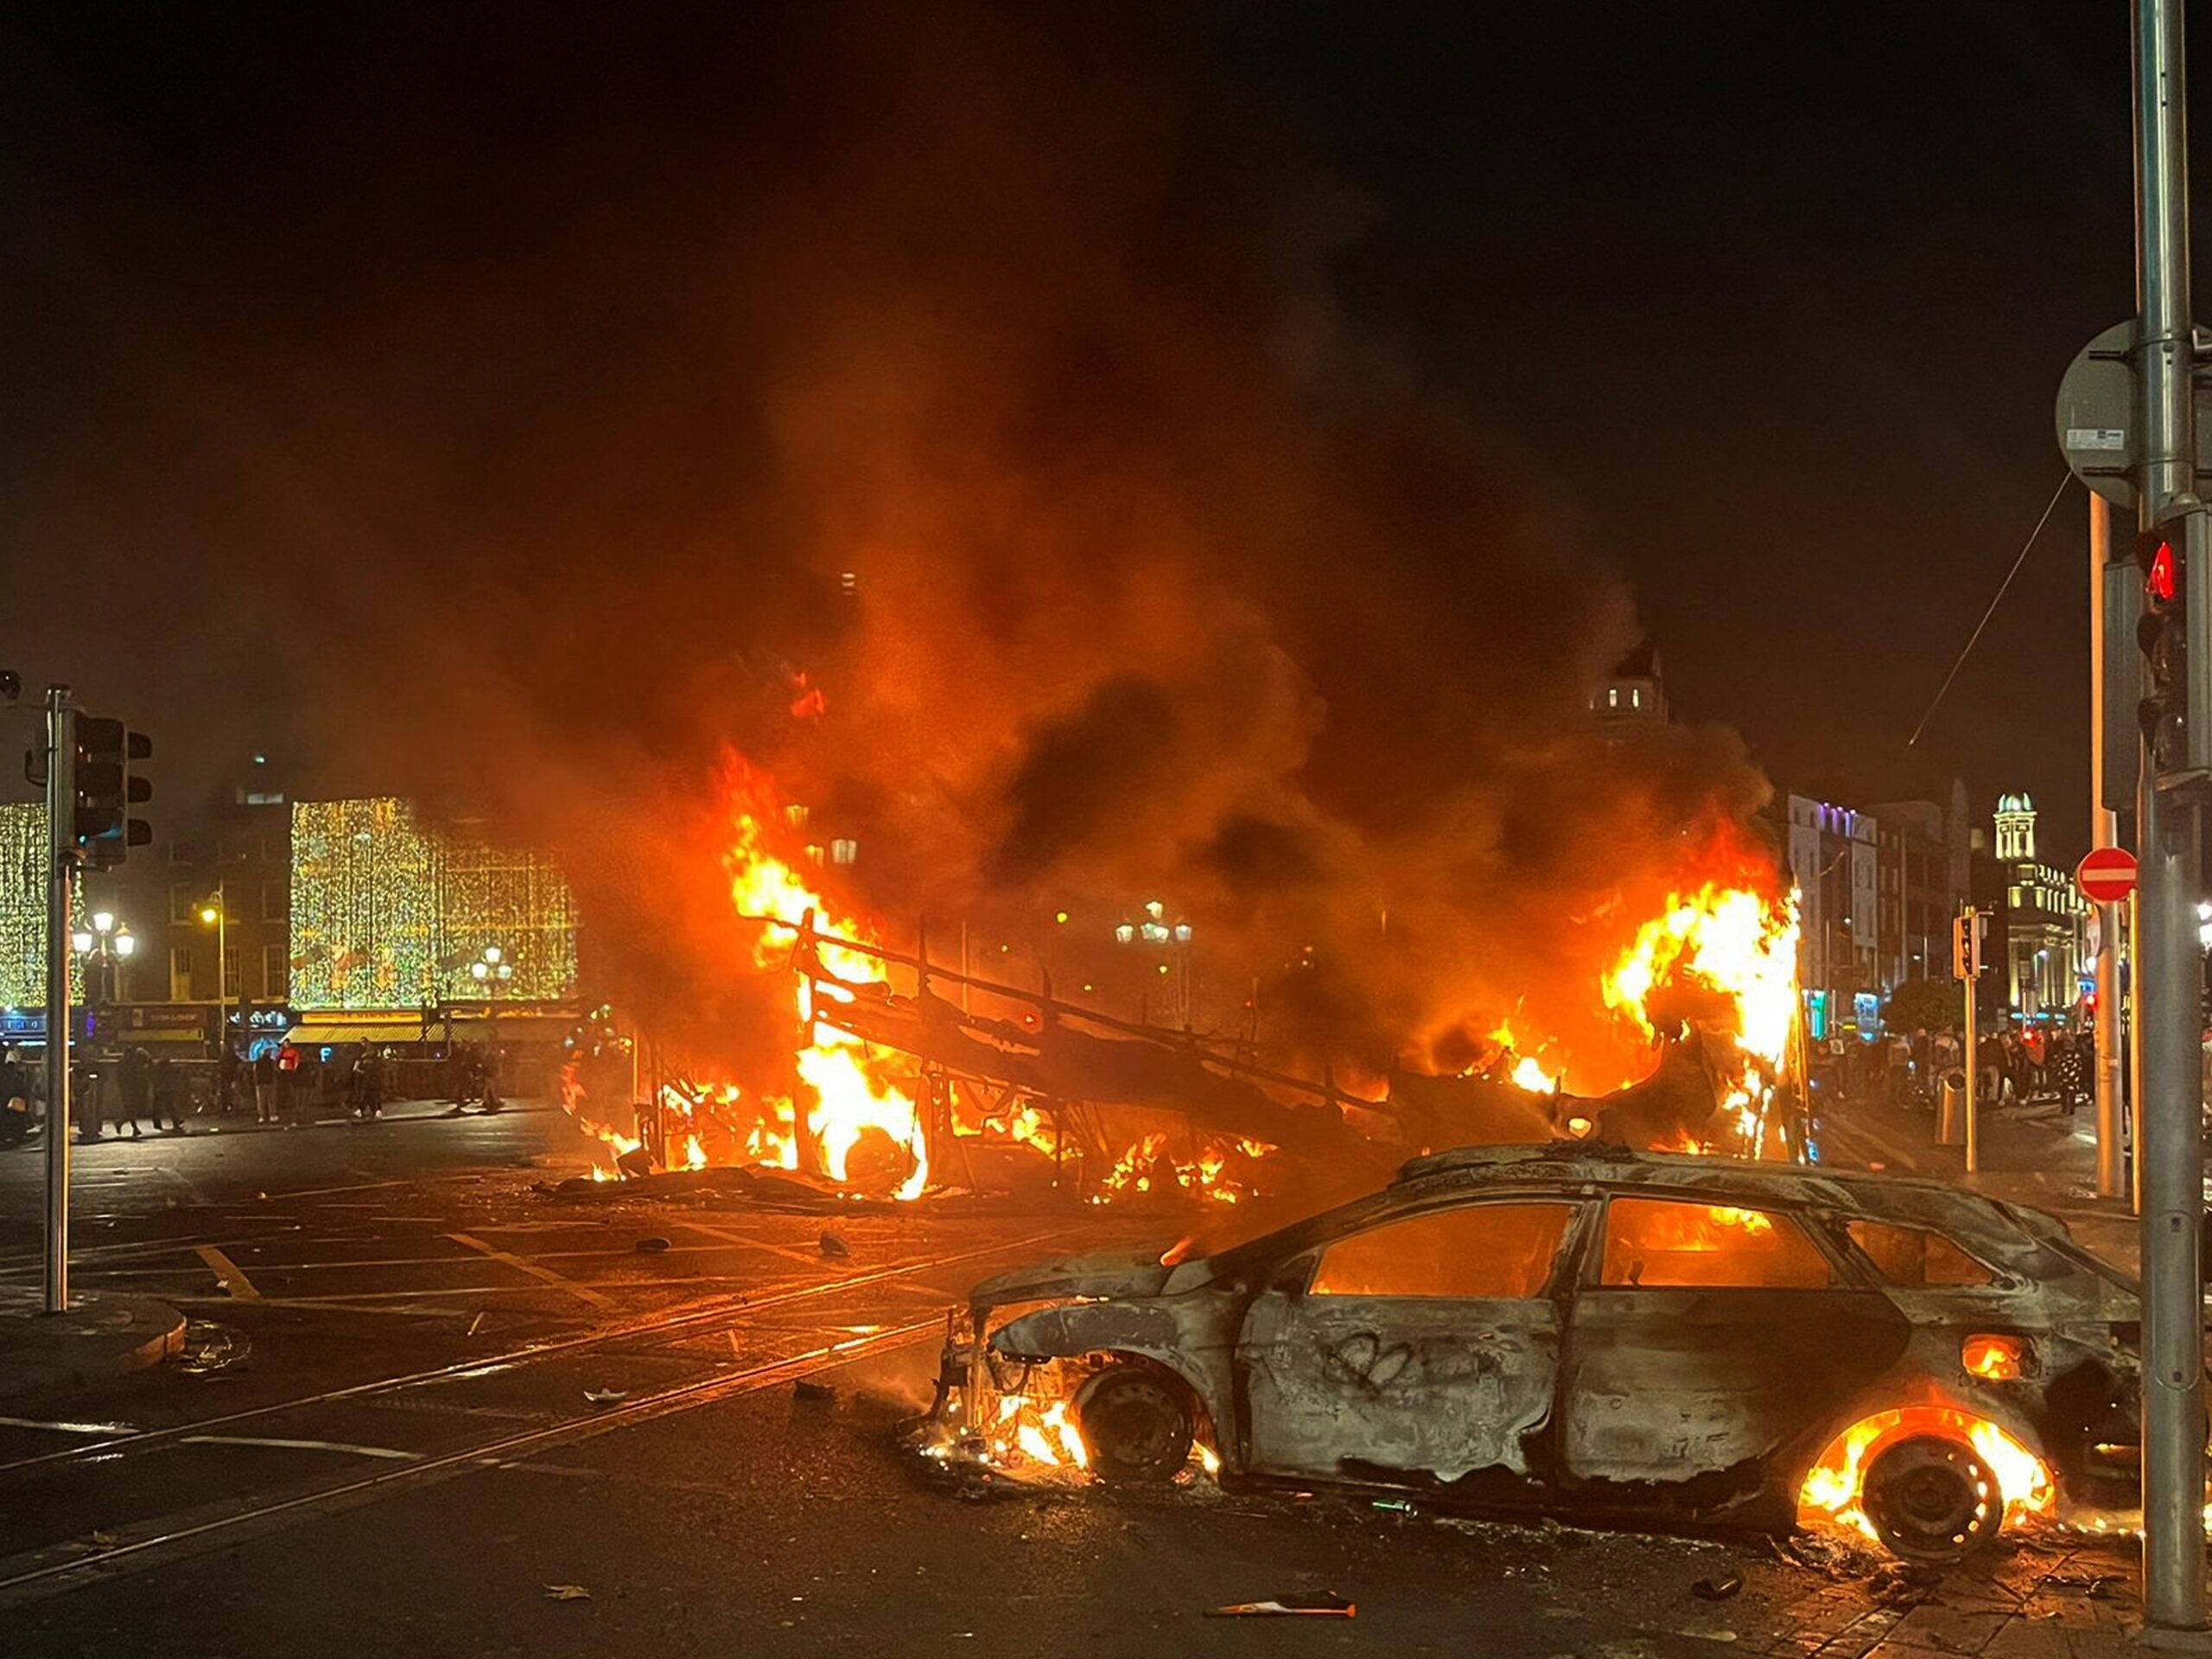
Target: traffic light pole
[2171, 1123]
[2104, 831]
[60, 885]
[1974, 1051]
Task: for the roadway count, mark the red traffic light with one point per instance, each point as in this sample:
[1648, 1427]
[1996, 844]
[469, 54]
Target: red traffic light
[2161, 576]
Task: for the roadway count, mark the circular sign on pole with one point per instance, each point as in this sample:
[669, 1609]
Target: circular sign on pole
[2097, 415]
[2106, 875]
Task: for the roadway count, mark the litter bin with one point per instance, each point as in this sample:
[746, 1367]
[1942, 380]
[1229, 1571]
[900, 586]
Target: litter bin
[1951, 1110]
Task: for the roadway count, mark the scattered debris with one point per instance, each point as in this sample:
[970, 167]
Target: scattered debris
[1718, 1589]
[605, 1396]
[807, 1389]
[1324, 1603]
[1839, 1554]
[652, 1245]
[211, 1349]
[2097, 1586]
[567, 1593]
[475, 1325]
[833, 1245]
[104, 1538]
[1394, 1506]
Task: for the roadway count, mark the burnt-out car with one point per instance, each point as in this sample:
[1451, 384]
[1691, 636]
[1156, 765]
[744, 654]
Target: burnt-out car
[1601, 1336]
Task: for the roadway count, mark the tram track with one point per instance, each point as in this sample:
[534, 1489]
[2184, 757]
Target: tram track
[681, 1324]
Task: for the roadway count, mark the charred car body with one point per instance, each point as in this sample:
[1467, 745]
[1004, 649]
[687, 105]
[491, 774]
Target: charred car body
[1609, 1337]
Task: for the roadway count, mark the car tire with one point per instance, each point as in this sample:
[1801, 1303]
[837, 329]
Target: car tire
[1136, 1424]
[1932, 1499]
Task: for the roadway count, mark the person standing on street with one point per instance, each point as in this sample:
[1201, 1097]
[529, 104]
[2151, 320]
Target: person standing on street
[169, 1117]
[137, 1090]
[265, 1087]
[288, 1066]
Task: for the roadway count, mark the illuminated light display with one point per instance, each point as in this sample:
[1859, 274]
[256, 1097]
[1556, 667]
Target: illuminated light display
[23, 910]
[388, 912]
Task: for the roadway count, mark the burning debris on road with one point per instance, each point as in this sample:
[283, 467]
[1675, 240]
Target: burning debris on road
[946, 1080]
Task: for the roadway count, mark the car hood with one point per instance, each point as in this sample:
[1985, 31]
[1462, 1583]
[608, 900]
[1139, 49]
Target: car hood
[1109, 1274]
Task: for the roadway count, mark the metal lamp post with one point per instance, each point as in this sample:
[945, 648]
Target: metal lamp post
[492, 970]
[216, 914]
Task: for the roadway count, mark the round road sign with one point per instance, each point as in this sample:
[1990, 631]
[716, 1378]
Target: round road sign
[2106, 875]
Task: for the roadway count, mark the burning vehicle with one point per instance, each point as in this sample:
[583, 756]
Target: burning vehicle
[1595, 1334]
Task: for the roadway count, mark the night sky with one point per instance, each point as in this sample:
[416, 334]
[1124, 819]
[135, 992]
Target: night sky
[1766, 306]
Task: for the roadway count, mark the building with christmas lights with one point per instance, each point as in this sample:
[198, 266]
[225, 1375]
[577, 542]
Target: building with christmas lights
[390, 912]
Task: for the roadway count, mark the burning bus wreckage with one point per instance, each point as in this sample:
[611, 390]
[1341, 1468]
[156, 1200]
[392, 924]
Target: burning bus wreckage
[1603, 1307]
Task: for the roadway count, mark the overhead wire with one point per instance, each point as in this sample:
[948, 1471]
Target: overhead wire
[1974, 638]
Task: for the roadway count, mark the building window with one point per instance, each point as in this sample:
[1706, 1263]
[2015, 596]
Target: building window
[1635, 696]
[233, 985]
[274, 969]
[844, 850]
[183, 895]
[1612, 696]
[181, 973]
[272, 902]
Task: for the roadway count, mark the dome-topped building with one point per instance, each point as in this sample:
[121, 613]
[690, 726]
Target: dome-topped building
[2045, 915]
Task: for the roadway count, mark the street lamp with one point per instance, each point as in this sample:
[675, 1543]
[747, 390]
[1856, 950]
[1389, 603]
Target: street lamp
[104, 942]
[215, 913]
[492, 969]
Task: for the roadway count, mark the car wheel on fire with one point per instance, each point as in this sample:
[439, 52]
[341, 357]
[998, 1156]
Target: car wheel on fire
[1135, 1425]
[1932, 1499]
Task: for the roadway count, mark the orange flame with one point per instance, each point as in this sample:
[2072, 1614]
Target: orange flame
[1834, 1485]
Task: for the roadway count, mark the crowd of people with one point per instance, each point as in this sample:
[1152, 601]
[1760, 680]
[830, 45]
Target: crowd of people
[131, 1092]
[1907, 1070]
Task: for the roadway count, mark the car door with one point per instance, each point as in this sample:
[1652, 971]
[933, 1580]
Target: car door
[1704, 1339]
[1421, 1348]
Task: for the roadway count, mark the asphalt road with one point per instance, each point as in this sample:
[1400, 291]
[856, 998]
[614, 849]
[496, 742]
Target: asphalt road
[382, 1441]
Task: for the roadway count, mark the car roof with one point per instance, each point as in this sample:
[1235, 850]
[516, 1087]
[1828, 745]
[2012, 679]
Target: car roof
[1988, 1227]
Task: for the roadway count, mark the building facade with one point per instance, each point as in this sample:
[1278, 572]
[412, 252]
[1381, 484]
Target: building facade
[390, 913]
[2045, 955]
[1633, 694]
[1876, 889]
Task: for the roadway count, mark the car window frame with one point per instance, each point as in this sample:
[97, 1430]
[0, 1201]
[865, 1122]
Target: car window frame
[1837, 1224]
[1844, 1274]
[1295, 1273]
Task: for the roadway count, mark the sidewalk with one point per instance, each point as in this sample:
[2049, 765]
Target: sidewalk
[398, 1111]
[2033, 1155]
[99, 1336]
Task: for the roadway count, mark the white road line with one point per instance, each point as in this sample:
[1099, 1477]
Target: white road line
[233, 1277]
[67, 1428]
[509, 1258]
[303, 1446]
[812, 1258]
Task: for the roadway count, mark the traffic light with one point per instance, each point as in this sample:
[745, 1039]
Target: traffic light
[2175, 711]
[1968, 931]
[108, 787]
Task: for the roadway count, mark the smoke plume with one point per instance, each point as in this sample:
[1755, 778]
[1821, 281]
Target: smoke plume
[996, 386]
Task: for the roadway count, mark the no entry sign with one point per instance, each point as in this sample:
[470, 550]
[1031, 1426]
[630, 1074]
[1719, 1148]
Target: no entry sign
[2106, 875]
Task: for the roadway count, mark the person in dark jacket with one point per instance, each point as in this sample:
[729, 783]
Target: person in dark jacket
[265, 1087]
[137, 1089]
[168, 1116]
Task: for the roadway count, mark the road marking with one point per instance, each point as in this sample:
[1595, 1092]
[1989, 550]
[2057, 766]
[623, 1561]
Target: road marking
[301, 1445]
[812, 1258]
[508, 1258]
[706, 1312]
[233, 1277]
[40, 1574]
[67, 1428]
[405, 1310]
